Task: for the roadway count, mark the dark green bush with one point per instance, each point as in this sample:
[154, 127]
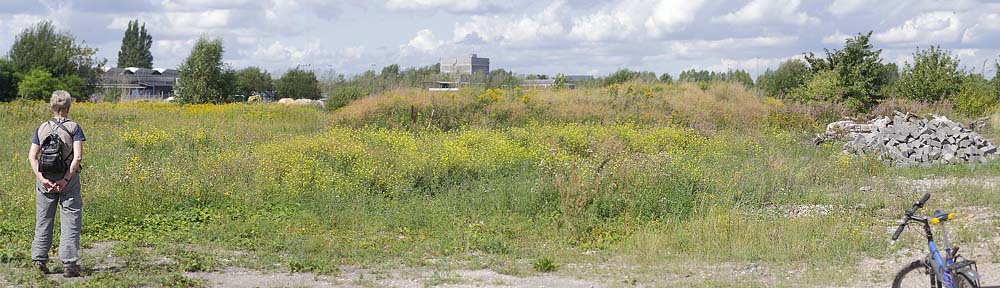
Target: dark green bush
[342, 95]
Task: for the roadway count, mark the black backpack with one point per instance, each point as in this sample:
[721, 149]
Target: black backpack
[52, 159]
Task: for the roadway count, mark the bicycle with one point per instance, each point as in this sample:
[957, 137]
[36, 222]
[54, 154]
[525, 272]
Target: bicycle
[935, 271]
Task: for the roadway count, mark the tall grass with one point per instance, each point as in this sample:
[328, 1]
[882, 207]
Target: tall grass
[674, 172]
[725, 105]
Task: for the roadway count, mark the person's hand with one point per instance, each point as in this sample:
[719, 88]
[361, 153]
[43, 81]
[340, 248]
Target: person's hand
[48, 185]
[61, 184]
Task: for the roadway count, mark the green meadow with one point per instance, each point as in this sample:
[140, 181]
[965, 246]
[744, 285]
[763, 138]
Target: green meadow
[653, 179]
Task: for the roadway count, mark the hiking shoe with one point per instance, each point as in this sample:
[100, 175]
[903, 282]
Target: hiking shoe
[42, 267]
[71, 270]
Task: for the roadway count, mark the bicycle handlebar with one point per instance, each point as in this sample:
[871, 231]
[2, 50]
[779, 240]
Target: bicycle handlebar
[909, 214]
[899, 230]
[923, 200]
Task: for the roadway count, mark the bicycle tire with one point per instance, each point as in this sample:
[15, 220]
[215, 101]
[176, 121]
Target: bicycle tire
[910, 276]
[898, 282]
[964, 282]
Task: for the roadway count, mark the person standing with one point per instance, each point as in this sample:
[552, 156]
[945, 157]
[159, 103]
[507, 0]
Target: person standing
[55, 156]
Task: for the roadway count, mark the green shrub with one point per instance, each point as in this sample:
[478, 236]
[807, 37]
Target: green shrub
[932, 76]
[625, 75]
[975, 96]
[298, 84]
[343, 95]
[859, 70]
[823, 86]
[790, 75]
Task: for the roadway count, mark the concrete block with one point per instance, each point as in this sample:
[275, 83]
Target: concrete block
[934, 154]
[989, 149]
[898, 119]
[948, 149]
[972, 151]
[925, 131]
[981, 160]
[948, 156]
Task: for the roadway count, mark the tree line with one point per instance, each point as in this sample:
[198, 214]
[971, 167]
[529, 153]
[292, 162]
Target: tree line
[43, 59]
[857, 77]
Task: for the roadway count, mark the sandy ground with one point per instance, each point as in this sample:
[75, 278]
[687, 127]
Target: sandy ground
[354, 277]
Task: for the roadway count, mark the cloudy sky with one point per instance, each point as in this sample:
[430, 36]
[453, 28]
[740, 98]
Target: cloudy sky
[590, 37]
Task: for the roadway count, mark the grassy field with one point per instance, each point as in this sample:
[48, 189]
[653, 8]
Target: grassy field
[651, 177]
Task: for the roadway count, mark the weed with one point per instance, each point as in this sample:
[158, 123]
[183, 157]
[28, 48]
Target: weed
[543, 264]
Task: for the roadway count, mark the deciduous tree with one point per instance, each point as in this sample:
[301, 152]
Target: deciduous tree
[203, 76]
[42, 47]
[253, 81]
[933, 75]
[299, 84]
[858, 67]
[779, 83]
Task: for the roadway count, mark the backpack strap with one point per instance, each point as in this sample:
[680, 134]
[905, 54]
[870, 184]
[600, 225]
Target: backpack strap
[61, 126]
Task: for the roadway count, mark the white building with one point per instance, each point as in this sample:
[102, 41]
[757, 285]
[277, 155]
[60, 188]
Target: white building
[462, 69]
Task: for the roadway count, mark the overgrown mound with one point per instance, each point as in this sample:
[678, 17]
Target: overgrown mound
[719, 107]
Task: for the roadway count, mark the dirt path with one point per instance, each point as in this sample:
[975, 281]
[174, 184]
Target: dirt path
[241, 277]
[404, 277]
[228, 276]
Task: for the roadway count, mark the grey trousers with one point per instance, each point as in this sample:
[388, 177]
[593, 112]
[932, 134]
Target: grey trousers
[70, 218]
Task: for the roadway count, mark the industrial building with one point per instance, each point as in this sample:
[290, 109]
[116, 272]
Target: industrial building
[466, 69]
[138, 83]
[544, 84]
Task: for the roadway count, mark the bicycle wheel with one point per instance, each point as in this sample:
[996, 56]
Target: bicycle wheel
[962, 282]
[916, 275]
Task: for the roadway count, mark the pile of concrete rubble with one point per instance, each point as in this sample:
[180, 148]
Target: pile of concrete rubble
[908, 140]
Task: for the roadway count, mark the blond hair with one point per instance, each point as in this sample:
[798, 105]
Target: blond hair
[60, 102]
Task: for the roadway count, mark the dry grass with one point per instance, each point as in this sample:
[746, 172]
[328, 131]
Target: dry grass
[722, 106]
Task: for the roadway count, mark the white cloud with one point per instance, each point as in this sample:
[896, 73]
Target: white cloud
[754, 66]
[701, 48]
[12, 25]
[836, 38]
[634, 18]
[354, 52]
[279, 52]
[201, 5]
[169, 51]
[845, 7]
[424, 42]
[310, 54]
[934, 27]
[515, 31]
[987, 26]
[758, 11]
[612, 24]
[178, 23]
[446, 5]
[15, 23]
[671, 16]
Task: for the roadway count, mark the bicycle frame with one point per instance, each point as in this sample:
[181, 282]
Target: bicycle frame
[940, 264]
[946, 270]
